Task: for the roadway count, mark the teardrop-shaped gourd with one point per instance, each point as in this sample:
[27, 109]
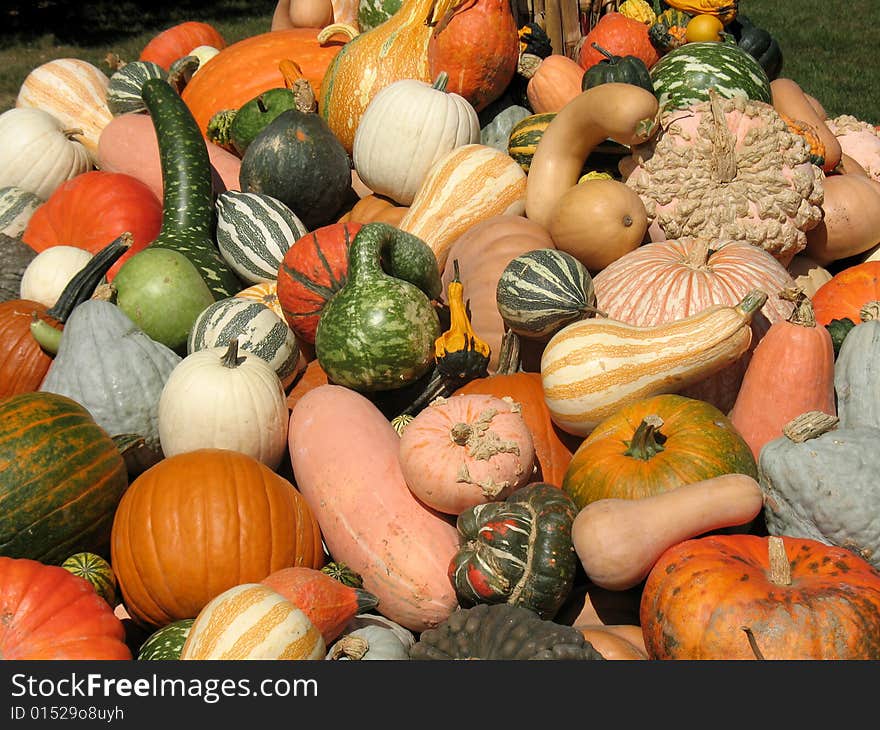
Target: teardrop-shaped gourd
[856, 375]
[377, 332]
[221, 398]
[405, 129]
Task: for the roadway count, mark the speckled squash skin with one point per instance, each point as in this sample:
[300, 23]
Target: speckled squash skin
[167, 642]
[701, 593]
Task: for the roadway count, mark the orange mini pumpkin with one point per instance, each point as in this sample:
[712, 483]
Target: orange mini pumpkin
[847, 292]
[199, 523]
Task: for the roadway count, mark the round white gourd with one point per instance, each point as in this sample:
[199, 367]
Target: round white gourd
[224, 398]
[405, 129]
[50, 271]
[37, 152]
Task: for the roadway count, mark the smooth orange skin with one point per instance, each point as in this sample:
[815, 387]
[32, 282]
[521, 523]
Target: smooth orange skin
[847, 292]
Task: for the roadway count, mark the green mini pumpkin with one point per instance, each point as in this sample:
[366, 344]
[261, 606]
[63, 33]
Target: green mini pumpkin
[617, 69]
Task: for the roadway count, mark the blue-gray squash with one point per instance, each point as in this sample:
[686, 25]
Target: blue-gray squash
[857, 376]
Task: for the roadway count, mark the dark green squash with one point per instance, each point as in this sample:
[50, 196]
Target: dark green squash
[759, 43]
[298, 160]
[619, 69]
[518, 551]
[534, 39]
[378, 331]
[668, 30]
[61, 479]
[839, 329]
[504, 632]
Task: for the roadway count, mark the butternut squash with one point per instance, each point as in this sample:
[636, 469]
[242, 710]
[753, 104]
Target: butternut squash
[850, 222]
[624, 113]
[619, 540]
[592, 368]
[368, 517]
[788, 98]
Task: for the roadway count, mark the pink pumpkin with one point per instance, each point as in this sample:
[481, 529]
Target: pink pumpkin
[467, 450]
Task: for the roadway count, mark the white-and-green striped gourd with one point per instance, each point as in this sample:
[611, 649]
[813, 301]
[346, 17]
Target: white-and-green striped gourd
[124, 90]
[254, 232]
[17, 205]
[541, 291]
[259, 330]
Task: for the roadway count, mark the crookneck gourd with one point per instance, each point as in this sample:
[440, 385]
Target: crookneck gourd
[378, 331]
[729, 169]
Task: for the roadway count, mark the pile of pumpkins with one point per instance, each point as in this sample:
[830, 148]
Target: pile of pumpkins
[372, 338]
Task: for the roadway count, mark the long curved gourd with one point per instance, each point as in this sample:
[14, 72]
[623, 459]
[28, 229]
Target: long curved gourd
[624, 113]
[592, 368]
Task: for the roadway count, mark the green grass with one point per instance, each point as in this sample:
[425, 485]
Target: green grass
[830, 47]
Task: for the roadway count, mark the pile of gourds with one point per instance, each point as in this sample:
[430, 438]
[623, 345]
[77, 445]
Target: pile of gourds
[375, 338]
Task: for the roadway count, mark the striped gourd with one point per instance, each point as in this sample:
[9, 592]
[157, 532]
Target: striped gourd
[124, 89]
[97, 571]
[524, 138]
[684, 76]
[592, 368]
[167, 642]
[254, 232]
[541, 291]
[251, 621]
[371, 13]
[17, 205]
[259, 331]
[74, 92]
[16, 256]
[266, 293]
[468, 185]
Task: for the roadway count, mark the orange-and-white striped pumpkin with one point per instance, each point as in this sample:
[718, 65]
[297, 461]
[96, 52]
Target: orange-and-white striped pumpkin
[592, 368]
[251, 621]
[73, 91]
[266, 292]
[464, 187]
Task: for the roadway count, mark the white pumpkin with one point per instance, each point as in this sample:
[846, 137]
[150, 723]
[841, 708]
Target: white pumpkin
[222, 398]
[75, 92]
[204, 54]
[37, 151]
[46, 276]
[405, 129]
[372, 636]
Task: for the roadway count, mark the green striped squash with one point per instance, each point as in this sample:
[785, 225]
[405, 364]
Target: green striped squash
[96, 571]
[61, 479]
[375, 12]
[524, 138]
[166, 643]
[17, 205]
[684, 76]
[15, 257]
[259, 330]
[254, 232]
[124, 90]
[541, 291]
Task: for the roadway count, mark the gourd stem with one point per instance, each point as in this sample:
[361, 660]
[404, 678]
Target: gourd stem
[230, 358]
[441, 81]
[328, 31]
[780, 567]
[610, 56]
[460, 433]
[71, 133]
[870, 311]
[802, 314]
[296, 82]
[723, 164]
[47, 336]
[351, 647]
[698, 255]
[809, 425]
[509, 354]
[753, 644]
[647, 441]
[752, 302]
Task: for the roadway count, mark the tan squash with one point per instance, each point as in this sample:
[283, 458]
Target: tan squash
[624, 113]
[788, 98]
[616, 643]
[619, 540]
[592, 368]
[467, 185]
[808, 275]
[850, 222]
[597, 221]
[849, 166]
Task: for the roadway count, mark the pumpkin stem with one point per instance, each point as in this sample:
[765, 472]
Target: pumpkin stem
[752, 302]
[723, 166]
[699, 253]
[802, 314]
[71, 133]
[296, 82]
[780, 567]
[870, 311]
[509, 354]
[610, 56]
[809, 425]
[181, 72]
[753, 644]
[647, 441]
[350, 647]
[441, 81]
[230, 358]
[328, 31]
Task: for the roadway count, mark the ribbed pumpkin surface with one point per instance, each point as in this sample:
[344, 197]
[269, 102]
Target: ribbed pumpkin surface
[61, 479]
[312, 271]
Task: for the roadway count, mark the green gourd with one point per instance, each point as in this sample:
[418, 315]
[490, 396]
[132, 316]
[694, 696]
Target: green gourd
[377, 332]
[254, 115]
[619, 69]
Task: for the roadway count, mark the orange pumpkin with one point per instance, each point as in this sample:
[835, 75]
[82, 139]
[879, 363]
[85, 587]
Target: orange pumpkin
[750, 597]
[178, 40]
[555, 82]
[619, 35]
[199, 523]
[249, 67]
[311, 378]
[374, 208]
[553, 448]
[847, 292]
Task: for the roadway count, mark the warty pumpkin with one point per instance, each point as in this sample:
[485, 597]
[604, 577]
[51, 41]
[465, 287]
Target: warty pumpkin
[199, 523]
[859, 141]
[50, 613]
[750, 597]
